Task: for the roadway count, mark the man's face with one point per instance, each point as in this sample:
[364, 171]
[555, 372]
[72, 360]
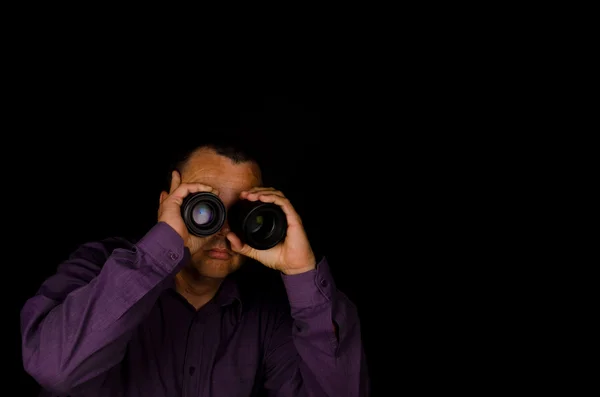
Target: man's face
[214, 257]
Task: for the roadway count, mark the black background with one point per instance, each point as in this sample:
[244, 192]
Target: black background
[385, 188]
[95, 169]
[403, 139]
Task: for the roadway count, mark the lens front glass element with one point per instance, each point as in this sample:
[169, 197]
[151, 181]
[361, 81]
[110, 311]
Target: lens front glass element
[202, 214]
[261, 225]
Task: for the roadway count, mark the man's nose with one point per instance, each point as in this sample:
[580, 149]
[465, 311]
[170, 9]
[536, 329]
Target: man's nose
[225, 228]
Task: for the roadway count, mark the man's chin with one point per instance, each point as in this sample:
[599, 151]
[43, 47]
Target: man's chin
[215, 268]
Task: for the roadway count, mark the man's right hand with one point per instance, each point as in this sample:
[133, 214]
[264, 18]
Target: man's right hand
[169, 210]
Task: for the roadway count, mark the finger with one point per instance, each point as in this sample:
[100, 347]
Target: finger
[257, 189]
[238, 247]
[189, 188]
[261, 189]
[175, 181]
[236, 243]
[252, 195]
[283, 202]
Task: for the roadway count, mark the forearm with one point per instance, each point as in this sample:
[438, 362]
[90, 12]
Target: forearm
[67, 342]
[327, 336]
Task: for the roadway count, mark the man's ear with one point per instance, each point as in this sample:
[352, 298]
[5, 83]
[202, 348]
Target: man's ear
[163, 196]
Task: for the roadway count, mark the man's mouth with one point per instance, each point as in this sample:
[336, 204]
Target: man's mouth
[219, 253]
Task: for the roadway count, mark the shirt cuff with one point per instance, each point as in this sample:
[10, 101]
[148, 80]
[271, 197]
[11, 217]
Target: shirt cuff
[310, 289]
[163, 244]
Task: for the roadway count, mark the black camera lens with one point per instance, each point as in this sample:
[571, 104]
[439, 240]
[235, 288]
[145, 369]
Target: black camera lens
[203, 213]
[260, 225]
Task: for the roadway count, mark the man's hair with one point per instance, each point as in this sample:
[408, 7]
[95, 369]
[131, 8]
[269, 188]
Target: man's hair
[235, 147]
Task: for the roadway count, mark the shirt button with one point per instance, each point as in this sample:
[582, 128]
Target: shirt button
[324, 282]
[173, 255]
[191, 370]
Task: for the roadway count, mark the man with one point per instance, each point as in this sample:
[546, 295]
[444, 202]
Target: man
[163, 316]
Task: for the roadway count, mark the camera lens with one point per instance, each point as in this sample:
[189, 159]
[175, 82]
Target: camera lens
[203, 213]
[260, 225]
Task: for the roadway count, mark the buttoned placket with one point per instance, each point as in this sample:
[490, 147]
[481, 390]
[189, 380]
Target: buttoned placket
[196, 359]
[205, 326]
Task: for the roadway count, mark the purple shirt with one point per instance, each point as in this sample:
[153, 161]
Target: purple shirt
[109, 323]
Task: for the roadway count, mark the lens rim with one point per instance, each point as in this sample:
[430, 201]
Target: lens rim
[211, 200]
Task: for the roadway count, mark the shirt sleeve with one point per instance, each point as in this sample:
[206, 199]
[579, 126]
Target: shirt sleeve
[317, 351]
[77, 326]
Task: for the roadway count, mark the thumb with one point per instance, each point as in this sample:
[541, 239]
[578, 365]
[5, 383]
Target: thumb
[244, 249]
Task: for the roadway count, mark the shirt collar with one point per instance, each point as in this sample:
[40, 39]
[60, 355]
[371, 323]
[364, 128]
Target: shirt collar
[228, 293]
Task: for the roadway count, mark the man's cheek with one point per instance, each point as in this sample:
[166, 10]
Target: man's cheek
[198, 241]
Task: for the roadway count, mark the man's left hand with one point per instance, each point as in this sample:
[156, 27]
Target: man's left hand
[294, 255]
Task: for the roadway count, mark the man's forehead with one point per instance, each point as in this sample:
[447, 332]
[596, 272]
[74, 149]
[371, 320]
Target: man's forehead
[213, 176]
[220, 172]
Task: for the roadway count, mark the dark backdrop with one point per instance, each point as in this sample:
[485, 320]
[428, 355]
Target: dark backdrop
[91, 169]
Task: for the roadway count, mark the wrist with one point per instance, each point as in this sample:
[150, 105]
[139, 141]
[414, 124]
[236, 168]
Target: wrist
[312, 265]
[292, 272]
